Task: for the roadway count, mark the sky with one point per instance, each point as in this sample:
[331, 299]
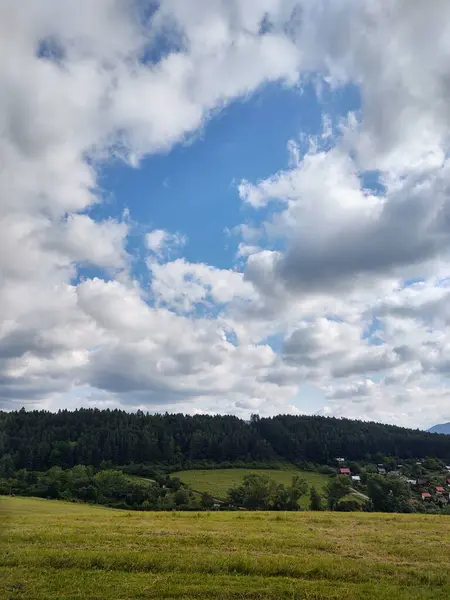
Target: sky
[226, 206]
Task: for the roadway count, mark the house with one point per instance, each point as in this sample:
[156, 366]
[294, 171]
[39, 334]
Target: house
[344, 471]
[447, 467]
[412, 482]
[381, 470]
[442, 500]
[340, 460]
[426, 496]
[395, 473]
[440, 489]
[356, 478]
[448, 481]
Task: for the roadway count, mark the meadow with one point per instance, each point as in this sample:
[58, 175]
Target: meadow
[217, 482]
[54, 550]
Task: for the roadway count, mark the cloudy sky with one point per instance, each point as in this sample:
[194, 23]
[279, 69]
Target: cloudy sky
[226, 206]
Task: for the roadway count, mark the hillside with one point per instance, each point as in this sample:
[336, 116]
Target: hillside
[217, 482]
[442, 428]
[39, 440]
[57, 551]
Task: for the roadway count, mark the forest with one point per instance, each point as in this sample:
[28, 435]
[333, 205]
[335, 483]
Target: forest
[40, 440]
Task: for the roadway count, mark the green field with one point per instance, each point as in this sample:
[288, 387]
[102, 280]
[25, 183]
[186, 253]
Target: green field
[217, 482]
[52, 550]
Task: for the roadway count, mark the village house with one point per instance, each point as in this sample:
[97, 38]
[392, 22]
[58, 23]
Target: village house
[381, 470]
[412, 482]
[344, 471]
[426, 496]
[356, 478]
[440, 489]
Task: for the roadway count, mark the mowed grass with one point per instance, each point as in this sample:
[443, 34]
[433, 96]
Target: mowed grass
[217, 482]
[51, 550]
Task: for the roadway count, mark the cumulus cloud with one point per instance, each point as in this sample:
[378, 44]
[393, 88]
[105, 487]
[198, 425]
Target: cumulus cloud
[349, 278]
[163, 244]
[78, 90]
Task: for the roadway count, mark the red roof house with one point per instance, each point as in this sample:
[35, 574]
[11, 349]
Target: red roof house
[345, 471]
[426, 496]
[440, 489]
[448, 481]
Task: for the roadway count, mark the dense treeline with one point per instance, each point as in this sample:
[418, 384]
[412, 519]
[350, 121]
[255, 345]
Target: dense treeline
[321, 439]
[40, 440]
[111, 487]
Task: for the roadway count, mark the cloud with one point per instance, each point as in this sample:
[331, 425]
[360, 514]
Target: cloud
[322, 288]
[161, 243]
[77, 90]
[182, 285]
[326, 214]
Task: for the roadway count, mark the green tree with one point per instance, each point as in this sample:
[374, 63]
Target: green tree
[315, 499]
[388, 493]
[112, 484]
[207, 500]
[255, 493]
[181, 497]
[6, 466]
[336, 489]
[298, 488]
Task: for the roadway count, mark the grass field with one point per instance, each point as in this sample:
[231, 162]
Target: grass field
[218, 481]
[52, 550]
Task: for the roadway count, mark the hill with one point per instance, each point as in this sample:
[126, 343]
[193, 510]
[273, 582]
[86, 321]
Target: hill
[39, 440]
[57, 551]
[217, 482]
[442, 428]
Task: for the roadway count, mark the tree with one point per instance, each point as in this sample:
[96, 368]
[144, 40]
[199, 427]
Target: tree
[259, 492]
[388, 494]
[112, 484]
[256, 492]
[6, 466]
[38, 440]
[207, 500]
[298, 488]
[315, 500]
[336, 489]
[181, 497]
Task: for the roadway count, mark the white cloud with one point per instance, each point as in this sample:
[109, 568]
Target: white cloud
[330, 259]
[75, 93]
[182, 285]
[161, 243]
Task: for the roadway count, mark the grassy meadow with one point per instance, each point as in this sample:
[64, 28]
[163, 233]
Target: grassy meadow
[52, 550]
[217, 482]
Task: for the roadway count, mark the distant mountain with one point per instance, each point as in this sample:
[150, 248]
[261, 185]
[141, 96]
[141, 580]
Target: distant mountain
[442, 428]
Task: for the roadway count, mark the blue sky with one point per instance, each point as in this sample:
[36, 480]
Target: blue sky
[222, 207]
[192, 189]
